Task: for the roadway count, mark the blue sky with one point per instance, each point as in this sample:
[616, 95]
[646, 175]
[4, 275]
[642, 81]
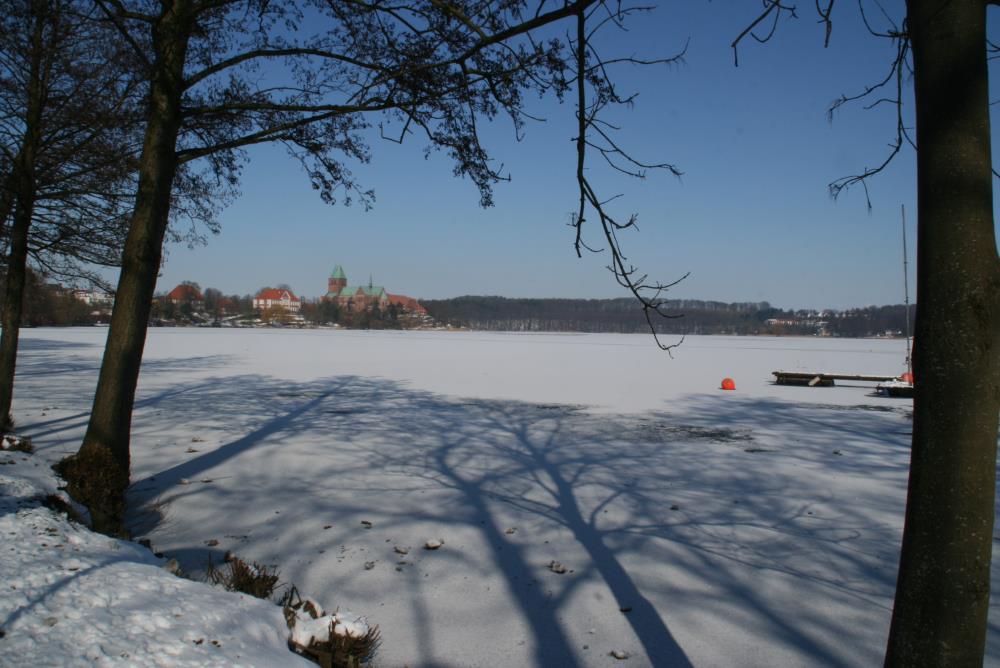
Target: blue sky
[751, 219]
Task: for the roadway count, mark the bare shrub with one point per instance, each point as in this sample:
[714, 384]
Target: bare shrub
[251, 578]
[338, 640]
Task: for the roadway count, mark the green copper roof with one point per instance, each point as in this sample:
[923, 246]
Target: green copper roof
[338, 272]
[369, 290]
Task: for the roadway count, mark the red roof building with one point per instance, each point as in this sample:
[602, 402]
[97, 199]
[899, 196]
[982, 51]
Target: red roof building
[277, 297]
[408, 303]
[185, 292]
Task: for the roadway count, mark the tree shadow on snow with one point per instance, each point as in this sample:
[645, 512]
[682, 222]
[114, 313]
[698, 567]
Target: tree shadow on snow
[673, 513]
[39, 360]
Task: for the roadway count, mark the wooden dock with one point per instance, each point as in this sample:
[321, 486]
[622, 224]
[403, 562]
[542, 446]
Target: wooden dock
[823, 379]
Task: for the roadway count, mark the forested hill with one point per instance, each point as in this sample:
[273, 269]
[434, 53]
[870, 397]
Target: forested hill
[624, 315]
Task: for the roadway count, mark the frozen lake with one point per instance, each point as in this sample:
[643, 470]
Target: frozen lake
[698, 527]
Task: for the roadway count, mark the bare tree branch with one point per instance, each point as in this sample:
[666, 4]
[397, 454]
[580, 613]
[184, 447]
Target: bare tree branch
[649, 294]
[824, 18]
[896, 75]
[770, 7]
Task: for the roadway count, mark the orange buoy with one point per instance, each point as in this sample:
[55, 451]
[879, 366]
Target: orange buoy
[907, 377]
[728, 384]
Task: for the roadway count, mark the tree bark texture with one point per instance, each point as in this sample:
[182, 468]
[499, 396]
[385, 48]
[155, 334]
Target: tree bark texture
[98, 474]
[22, 195]
[6, 200]
[943, 588]
[17, 262]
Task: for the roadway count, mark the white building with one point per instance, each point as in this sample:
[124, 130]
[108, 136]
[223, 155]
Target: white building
[276, 297]
[94, 297]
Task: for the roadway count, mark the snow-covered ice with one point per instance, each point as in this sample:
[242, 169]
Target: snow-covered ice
[696, 527]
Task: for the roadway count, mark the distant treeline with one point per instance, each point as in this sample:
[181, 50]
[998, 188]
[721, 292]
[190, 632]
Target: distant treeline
[624, 315]
[50, 304]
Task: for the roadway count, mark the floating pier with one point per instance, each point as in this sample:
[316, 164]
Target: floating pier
[822, 379]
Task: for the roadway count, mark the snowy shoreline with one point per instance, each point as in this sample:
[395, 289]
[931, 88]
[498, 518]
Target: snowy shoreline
[76, 598]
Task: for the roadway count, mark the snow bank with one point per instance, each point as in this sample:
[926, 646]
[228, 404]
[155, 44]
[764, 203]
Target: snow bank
[76, 598]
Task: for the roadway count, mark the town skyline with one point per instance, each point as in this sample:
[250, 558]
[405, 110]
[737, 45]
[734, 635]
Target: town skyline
[163, 291]
[341, 280]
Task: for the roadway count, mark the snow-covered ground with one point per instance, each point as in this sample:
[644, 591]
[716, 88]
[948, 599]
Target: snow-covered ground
[72, 597]
[697, 527]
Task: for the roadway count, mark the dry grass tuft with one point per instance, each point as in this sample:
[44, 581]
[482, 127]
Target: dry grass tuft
[339, 647]
[247, 578]
[349, 652]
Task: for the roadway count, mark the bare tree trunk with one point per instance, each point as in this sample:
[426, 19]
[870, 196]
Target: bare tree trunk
[20, 188]
[13, 304]
[943, 589]
[98, 474]
[6, 200]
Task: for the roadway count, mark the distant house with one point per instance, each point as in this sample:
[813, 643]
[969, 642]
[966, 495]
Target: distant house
[185, 293]
[228, 305]
[277, 297]
[360, 297]
[94, 297]
[408, 304]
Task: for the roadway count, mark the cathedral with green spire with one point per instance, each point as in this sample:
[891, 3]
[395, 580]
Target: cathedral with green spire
[358, 297]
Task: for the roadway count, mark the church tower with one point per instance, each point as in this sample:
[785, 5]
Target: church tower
[336, 282]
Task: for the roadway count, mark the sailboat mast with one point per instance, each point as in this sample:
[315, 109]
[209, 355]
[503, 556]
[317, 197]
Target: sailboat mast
[906, 291]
